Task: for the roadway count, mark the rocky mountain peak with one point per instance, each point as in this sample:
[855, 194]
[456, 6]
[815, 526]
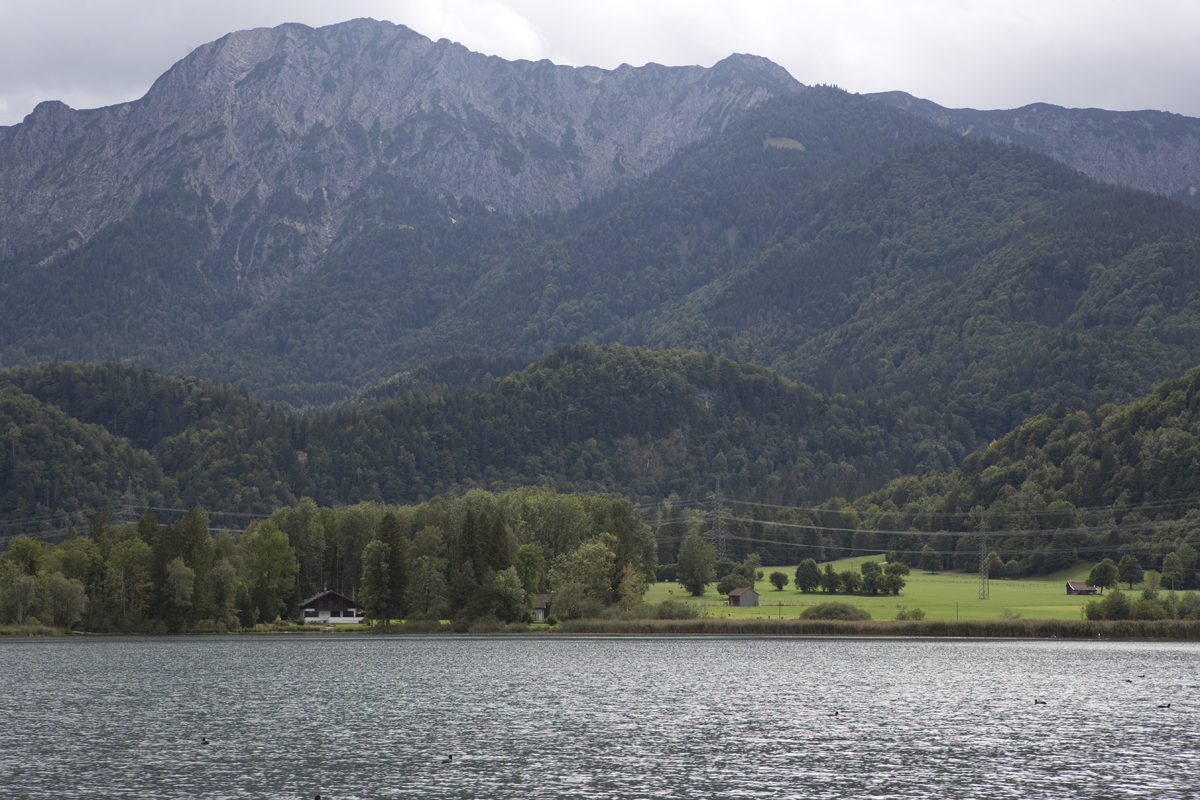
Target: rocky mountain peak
[315, 112]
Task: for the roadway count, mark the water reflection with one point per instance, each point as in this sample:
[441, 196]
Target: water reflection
[365, 717]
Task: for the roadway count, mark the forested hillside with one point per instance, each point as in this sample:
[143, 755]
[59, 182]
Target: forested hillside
[987, 278]
[1112, 482]
[1071, 483]
[629, 421]
[54, 465]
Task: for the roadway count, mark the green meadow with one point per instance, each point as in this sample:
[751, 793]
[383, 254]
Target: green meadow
[942, 596]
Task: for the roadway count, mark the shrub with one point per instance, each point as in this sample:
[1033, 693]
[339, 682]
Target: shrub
[1188, 606]
[423, 626]
[571, 602]
[673, 609]
[1151, 609]
[906, 613]
[1115, 606]
[486, 625]
[835, 610]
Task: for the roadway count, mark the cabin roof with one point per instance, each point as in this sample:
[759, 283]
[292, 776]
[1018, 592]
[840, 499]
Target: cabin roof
[330, 594]
[740, 591]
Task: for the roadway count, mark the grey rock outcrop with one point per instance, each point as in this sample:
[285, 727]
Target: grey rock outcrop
[1150, 150]
[317, 112]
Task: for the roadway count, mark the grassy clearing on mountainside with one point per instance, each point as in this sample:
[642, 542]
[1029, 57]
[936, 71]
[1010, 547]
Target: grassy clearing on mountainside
[942, 596]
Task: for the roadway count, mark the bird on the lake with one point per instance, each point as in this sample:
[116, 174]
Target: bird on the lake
[834, 714]
[203, 740]
[1037, 702]
[1165, 705]
[448, 759]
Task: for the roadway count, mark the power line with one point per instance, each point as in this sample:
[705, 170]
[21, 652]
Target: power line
[1077, 531]
[1148, 506]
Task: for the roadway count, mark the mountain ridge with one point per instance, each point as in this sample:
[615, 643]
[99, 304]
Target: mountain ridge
[1155, 151]
[318, 111]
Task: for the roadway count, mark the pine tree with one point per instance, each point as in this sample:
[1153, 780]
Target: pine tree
[397, 562]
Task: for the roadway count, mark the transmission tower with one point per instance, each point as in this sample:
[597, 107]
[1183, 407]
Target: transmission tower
[985, 581]
[716, 518]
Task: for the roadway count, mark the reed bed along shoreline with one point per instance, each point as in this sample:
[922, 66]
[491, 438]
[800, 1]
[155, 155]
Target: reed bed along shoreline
[1180, 630]
[1174, 630]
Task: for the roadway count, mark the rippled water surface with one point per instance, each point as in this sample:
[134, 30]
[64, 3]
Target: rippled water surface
[368, 717]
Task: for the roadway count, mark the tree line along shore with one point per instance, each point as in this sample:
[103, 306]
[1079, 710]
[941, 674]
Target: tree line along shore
[475, 564]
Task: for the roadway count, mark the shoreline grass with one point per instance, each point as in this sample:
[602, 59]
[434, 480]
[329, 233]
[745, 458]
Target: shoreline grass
[1175, 630]
[1130, 630]
[14, 629]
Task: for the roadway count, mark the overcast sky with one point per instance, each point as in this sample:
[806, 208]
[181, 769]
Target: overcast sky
[958, 53]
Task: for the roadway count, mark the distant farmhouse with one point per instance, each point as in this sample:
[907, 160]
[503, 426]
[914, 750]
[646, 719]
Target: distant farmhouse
[541, 606]
[743, 597]
[331, 608]
[1079, 587]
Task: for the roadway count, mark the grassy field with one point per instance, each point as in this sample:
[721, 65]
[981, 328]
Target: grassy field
[942, 596]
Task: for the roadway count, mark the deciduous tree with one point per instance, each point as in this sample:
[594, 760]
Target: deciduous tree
[270, 564]
[930, 560]
[852, 581]
[1104, 575]
[1172, 571]
[808, 575]
[1129, 570]
[830, 580]
[66, 600]
[695, 564]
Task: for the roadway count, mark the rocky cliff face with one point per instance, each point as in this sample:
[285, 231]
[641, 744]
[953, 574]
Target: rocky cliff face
[1150, 150]
[307, 116]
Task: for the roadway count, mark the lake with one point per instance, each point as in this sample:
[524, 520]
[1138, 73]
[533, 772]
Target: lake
[352, 716]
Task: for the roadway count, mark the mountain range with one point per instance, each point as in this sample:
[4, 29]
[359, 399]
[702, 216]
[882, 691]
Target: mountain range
[357, 220]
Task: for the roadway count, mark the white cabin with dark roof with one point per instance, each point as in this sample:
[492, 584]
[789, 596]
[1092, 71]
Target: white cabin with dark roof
[541, 606]
[331, 608]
